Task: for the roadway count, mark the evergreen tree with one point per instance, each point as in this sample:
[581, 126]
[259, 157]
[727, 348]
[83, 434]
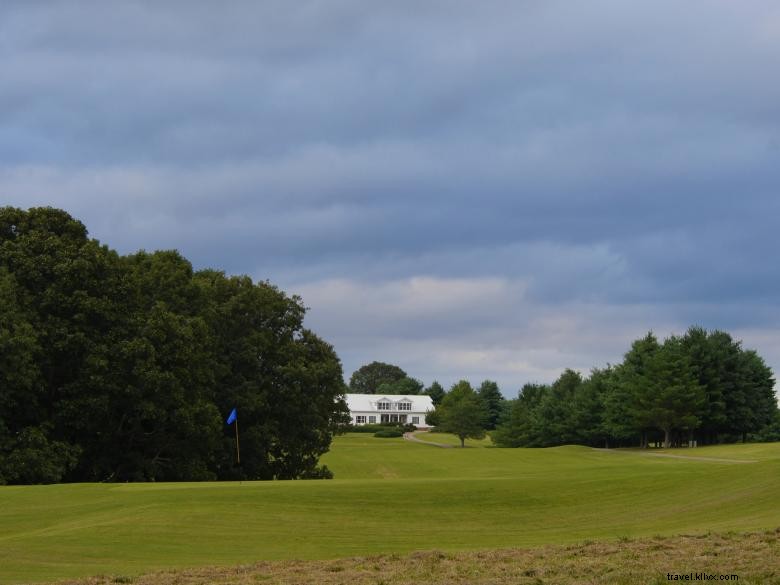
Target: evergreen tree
[555, 414]
[436, 392]
[588, 417]
[521, 427]
[670, 396]
[491, 396]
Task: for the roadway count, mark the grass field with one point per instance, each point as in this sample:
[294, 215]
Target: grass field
[746, 558]
[390, 496]
[448, 439]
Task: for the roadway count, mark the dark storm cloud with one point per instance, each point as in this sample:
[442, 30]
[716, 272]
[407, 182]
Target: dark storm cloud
[610, 160]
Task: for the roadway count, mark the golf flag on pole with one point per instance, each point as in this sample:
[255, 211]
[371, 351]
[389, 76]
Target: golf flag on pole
[233, 418]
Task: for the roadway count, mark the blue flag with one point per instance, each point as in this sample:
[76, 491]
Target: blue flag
[232, 418]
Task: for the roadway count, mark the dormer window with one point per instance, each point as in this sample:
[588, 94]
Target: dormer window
[383, 405]
[404, 405]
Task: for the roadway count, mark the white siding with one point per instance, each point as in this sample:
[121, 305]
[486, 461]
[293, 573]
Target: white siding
[366, 405]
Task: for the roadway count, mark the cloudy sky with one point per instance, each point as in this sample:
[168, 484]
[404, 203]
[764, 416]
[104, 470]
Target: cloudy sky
[496, 189]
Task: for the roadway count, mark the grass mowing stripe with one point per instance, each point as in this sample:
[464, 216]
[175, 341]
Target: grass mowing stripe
[451, 499]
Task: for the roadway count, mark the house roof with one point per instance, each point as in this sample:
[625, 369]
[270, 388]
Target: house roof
[367, 402]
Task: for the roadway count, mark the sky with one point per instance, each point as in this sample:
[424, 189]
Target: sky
[469, 190]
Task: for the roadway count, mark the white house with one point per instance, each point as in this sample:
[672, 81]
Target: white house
[379, 408]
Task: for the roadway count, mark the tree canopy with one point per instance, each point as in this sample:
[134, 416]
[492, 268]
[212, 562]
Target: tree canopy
[117, 368]
[367, 379]
[436, 391]
[493, 400]
[462, 413]
[702, 386]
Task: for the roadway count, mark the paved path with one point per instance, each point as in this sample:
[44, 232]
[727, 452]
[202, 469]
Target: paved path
[689, 457]
[413, 439]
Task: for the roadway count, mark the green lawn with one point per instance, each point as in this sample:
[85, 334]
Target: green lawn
[449, 439]
[389, 496]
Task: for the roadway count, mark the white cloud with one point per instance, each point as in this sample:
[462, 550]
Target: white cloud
[478, 328]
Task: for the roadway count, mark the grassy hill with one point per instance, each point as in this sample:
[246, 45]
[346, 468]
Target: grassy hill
[390, 496]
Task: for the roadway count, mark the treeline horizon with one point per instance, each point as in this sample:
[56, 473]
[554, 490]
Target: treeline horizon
[701, 386]
[124, 368]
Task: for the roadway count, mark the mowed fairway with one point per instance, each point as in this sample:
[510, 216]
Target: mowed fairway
[389, 496]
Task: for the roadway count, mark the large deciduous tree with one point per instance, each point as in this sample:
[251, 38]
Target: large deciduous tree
[367, 379]
[462, 413]
[116, 368]
[405, 385]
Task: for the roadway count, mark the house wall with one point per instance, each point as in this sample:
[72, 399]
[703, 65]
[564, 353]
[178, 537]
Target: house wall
[378, 415]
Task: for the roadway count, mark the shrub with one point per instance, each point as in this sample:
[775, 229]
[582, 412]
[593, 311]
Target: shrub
[389, 433]
[321, 472]
[373, 428]
[36, 459]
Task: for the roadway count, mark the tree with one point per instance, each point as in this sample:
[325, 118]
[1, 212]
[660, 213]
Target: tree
[462, 413]
[624, 417]
[755, 405]
[556, 425]
[713, 359]
[672, 397]
[405, 385]
[34, 458]
[286, 383]
[20, 376]
[494, 402]
[368, 378]
[436, 392]
[588, 408]
[122, 368]
[521, 428]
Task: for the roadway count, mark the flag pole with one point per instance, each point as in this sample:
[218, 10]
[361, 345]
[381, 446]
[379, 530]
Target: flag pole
[238, 451]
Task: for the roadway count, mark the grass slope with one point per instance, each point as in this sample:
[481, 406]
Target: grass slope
[389, 496]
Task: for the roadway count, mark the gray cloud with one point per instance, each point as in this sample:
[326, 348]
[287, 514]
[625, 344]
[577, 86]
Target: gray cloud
[584, 170]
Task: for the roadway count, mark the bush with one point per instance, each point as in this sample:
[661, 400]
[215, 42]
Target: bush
[389, 433]
[321, 472]
[35, 459]
[373, 428]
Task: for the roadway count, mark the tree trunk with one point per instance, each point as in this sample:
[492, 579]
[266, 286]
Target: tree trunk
[666, 438]
[462, 442]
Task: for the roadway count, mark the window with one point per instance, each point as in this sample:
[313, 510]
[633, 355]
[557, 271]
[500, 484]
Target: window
[415, 420]
[404, 406]
[402, 418]
[393, 418]
[372, 420]
[383, 406]
[385, 418]
[360, 420]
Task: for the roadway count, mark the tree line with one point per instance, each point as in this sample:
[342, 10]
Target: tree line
[702, 386]
[123, 367]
